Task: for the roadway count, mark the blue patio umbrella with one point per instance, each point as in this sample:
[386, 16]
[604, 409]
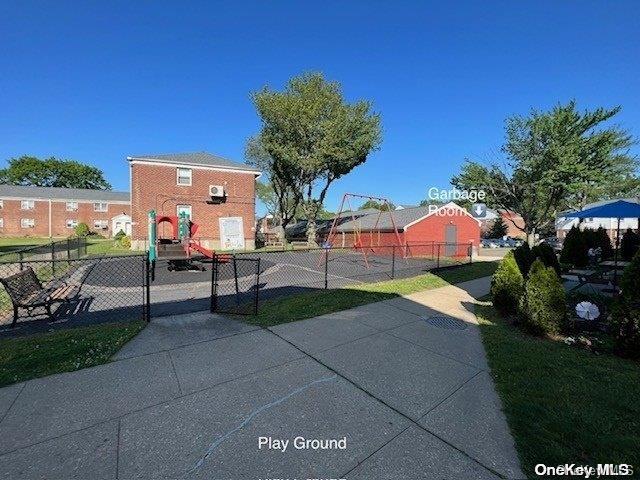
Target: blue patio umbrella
[619, 209]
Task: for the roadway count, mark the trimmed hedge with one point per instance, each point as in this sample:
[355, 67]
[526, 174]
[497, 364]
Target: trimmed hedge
[575, 250]
[524, 258]
[543, 305]
[507, 285]
[547, 256]
[629, 244]
[625, 317]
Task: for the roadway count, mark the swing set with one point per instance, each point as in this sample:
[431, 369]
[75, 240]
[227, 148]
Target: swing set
[367, 240]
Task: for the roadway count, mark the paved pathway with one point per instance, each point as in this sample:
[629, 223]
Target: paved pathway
[192, 395]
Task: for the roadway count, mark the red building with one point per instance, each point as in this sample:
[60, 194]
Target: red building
[27, 211]
[419, 227]
[217, 194]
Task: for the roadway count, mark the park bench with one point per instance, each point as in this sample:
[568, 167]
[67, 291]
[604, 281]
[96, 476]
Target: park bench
[26, 291]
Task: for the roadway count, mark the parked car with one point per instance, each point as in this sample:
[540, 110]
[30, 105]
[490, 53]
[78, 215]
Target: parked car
[513, 242]
[553, 242]
[491, 242]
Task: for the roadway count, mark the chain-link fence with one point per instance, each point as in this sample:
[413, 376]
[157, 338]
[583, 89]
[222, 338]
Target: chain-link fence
[244, 279]
[70, 248]
[42, 294]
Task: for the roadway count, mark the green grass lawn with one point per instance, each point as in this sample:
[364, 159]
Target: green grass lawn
[62, 351]
[107, 246]
[320, 302]
[563, 404]
[9, 244]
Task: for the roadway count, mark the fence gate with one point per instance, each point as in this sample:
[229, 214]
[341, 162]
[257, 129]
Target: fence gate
[235, 285]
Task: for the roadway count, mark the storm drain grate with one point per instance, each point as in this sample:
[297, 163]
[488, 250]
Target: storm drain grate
[446, 323]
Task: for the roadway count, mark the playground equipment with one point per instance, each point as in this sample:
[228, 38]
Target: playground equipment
[369, 239]
[180, 248]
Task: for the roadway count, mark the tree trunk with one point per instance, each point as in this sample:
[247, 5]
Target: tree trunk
[311, 212]
[531, 237]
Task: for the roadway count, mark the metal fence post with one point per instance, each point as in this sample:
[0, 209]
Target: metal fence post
[393, 261]
[147, 289]
[53, 255]
[255, 307]
[326, 268]
[470, 252]
[438, 261]
[214, 290]
[68, 249]
[21, 258]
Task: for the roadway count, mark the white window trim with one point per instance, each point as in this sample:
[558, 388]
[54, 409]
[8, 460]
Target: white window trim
[31, 204]
[106, 207]
[185, 207]
[103, 224]
[31, 221]
[1, 204]
[1, 222]
[69, 223]
[178, 176]
[71, 209]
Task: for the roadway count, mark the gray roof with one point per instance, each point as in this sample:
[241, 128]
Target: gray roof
[195, 158]
[401, 218]
[57, 193]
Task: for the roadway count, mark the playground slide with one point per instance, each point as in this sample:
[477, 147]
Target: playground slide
[193, 245]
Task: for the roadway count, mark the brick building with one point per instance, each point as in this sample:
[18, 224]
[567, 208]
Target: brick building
[27, 211]
[216, 193]
[417, 227]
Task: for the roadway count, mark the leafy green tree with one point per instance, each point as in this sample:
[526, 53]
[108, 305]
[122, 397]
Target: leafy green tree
[524, 258]
[625, 317]
[52, 172]
[310, 137]
[553, 160]
[547, 256]
[82, 230]
[498, 229]
[385, 207]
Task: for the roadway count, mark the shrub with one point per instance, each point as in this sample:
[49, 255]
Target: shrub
[125, 242]
[507, 285]
[524, 258]
[82, 230]
[119, 235]
[543, 305]
[547, 256]
[604, 242]
[625, 318]
[629, 244]
[574, 248]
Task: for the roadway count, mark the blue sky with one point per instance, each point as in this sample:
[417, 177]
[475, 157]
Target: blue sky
[97, 81]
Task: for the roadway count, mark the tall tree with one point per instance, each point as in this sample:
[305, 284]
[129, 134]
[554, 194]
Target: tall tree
[377, 205]
[552, 160]
[52, 172]
[311, 137]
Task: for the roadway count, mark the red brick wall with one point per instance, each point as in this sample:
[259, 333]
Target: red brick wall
[432, 229]
[154, 187]
[512, 230]
[12, 214]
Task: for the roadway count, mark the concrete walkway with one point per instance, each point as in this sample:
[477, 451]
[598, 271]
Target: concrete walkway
[198, 396]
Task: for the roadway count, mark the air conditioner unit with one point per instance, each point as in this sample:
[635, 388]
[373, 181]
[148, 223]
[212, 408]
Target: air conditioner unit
[216, 191]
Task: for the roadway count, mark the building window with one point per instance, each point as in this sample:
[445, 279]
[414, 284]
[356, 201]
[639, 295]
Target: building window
[100, 224]
[184, 176]
[1, 222]
[1, 204]
[72, 206]
[72, 223]
[27, 222]
[27, 205]
[100, 207]
[184, 209]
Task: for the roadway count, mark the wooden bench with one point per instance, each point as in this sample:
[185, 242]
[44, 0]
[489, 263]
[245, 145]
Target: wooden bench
[26, 291]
